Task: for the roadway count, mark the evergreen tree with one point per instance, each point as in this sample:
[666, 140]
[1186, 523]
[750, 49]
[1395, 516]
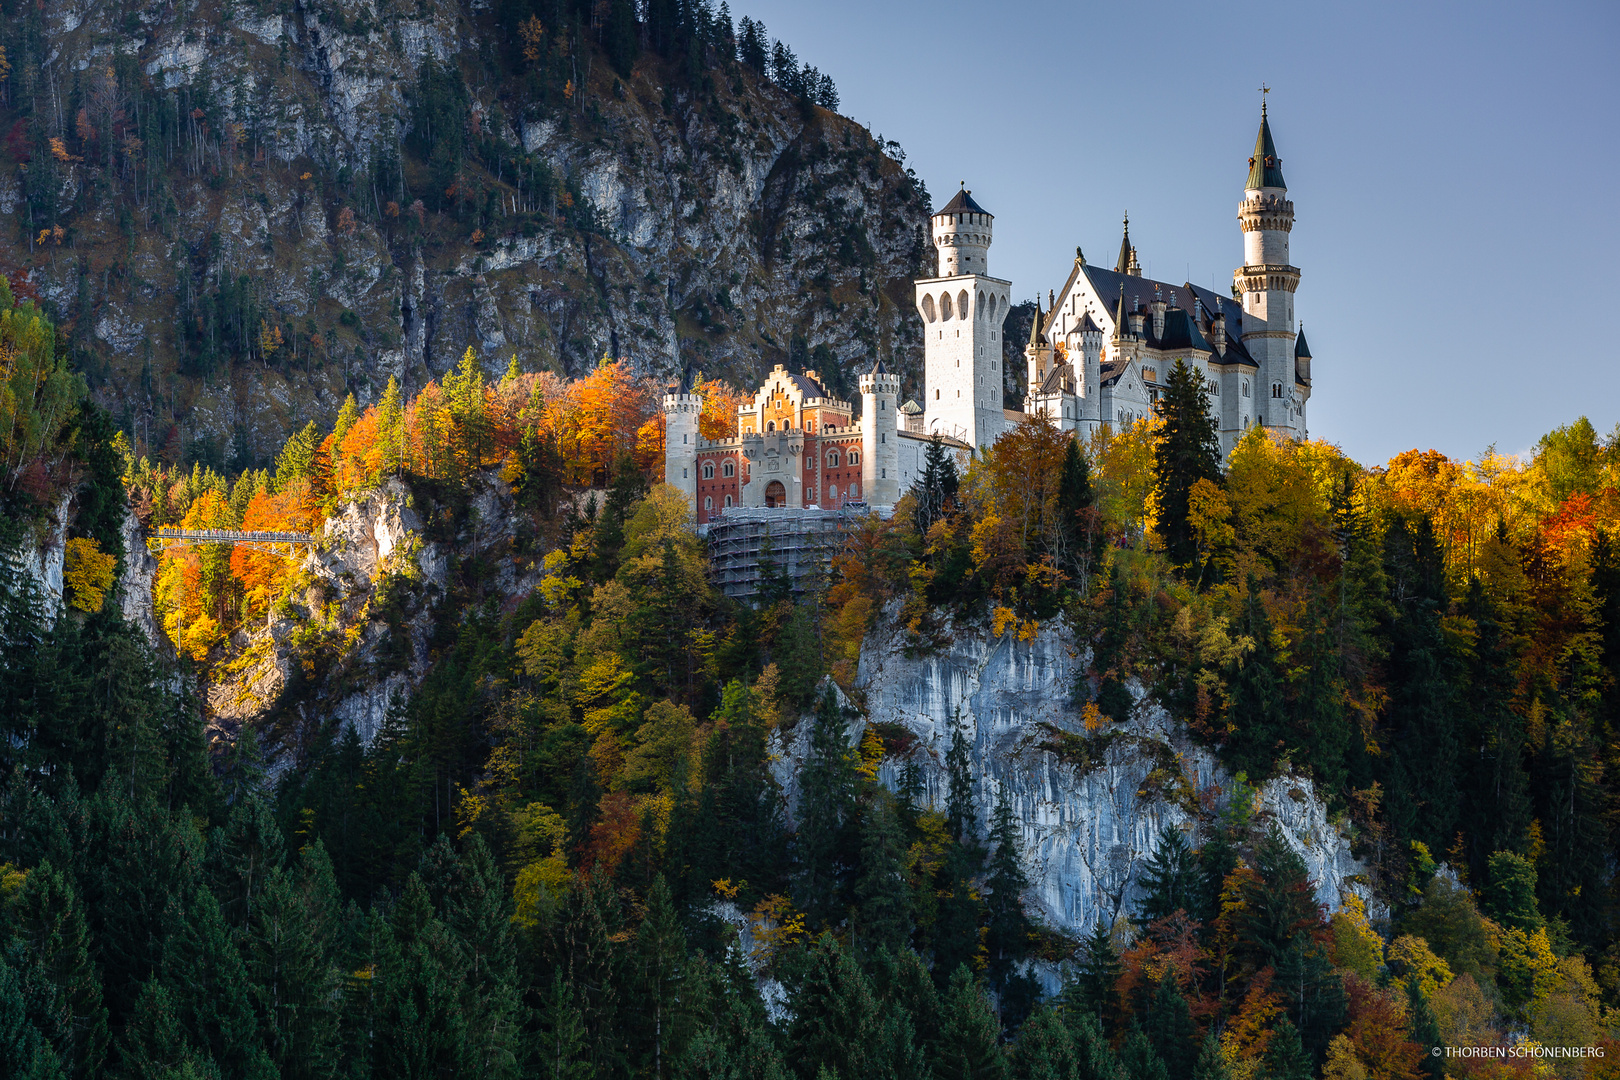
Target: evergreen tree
[835, 1020]
[934, 491]
[153, 1042]
[1423, 1029]
[1044, 1049]
[968, 1032]
[1257, 722]
[1187, 450]
[660, 961]
[1077, 531]
[961, 819]
[420, 1026]
[1170, 878]
[59, 982]
[1285, 1058]
[1108, 654]
[561, 1051]
[883, 918]
[1139, 1060]
[826, 834]
[203, 972]
[1211, 1063]
[24, 1052]
[1510, 893]
[1170, 1029]
[1009, 928]
[1094, 990]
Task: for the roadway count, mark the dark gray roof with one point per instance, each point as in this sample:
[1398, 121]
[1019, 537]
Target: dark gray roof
[1181, 332]
[878, 368]
[807, 387]
[1057, 379]
[1301, 349]
[963, 204]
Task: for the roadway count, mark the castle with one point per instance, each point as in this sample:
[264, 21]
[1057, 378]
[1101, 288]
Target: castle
[1099, 355]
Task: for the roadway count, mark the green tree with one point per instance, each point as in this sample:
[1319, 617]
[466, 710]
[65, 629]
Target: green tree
[968, 1048]
[1108, 654]
[1008, 926]
[1139, 1060]
[934, 491]
[60, 983]
[1170, 878]
[883, 896]
[1257, 720]
[827, 835]
[297, 458]
[1094, 990]
[207, 981]
[1077, 530]
[835, 1022]
[1170, 1029]
[1510, 893]
[1186, 451]
[660, 961]
[1211, 1064]
[1286, 1058]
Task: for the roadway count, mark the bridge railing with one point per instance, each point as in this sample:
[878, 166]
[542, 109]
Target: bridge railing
[229, 536]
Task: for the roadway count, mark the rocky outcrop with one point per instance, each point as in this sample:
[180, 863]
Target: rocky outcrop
[42, 554]
[689, 226]
[135, 584]
[1087, 826]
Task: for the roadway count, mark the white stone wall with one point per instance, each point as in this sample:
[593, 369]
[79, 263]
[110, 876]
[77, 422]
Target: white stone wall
[962, 355]
[880, 439]
[681, 412]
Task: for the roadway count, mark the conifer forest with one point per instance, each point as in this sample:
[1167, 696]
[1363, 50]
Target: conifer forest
[606, 821]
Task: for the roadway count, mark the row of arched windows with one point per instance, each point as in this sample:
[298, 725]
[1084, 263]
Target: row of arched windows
[962, 305]
[728, 468]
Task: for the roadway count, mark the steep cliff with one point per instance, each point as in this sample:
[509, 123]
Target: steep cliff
[242, 212]
[1088, 820]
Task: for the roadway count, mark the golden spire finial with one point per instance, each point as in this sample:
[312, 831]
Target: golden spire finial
[1264, 90]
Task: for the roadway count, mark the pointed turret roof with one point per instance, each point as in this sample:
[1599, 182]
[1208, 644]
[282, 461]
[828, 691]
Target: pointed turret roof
[1265, 167]
[1120, 329]
[1088, 325]
[1036, 338]
[963, 203]
[1302, 351]
[1123, 266]
[878, 368]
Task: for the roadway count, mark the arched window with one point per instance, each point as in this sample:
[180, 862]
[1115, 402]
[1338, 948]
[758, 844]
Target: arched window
[928, 308]
[708, 502]
[770, 425]
[964, 305]
[944, 305]
[708, 470]
[832, 492]
[728, 500]
[832, 459]
[728, 469]
[854, 457]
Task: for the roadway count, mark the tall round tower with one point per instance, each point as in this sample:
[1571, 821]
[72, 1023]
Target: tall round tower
[681, 411]
[880, 455]
[1267, 281]
[962, 236]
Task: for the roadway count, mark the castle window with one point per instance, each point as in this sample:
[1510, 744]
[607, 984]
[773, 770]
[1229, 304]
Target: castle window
[832, 492]
[832, 459]
[708, 502]
[854, 457]
[728, 500]
[1245, 387]
[708, 470]
[770, 425]
[728, 469]
[1276, 390]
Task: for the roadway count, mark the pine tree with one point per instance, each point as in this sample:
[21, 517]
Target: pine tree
[1211, 1062]
[1139, 1060]
[826, 814]
[1044, 1049]
[1108, 655]
[391, 428]
[561, 1051]
[24, 1052]
[1187, 450]
[968, 1048]
[1170, 878]
[1170, 1029]
[347, 415]
[1257, 722]
[1009, 927]
[835, 1020]
[420, 1025]
[935, 489]
[1077, 532]
[1285, 1058]
[1423, 1029]
[961, 819]
[883, 919]
[1094, 990]
[660, 962]
[203, 971]
[60, 983]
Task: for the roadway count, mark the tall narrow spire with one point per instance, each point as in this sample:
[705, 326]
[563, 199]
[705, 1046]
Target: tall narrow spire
[1123, 266]
[1120, 330]
[1265, 167]
[1035, 336]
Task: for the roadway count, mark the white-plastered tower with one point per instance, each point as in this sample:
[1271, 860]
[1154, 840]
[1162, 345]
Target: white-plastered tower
[962, 311]
[880, 436]
[682, 408]
[1267, 282]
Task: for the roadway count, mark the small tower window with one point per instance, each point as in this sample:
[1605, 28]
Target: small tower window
[854, 457]
[708, 470]
[728, 500]
[728, 469]
[832, 459]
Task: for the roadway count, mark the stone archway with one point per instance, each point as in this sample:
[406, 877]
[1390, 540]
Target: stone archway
[775, 494]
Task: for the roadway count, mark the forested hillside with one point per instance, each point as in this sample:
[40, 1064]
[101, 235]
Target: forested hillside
[567, 851]
[241, 213]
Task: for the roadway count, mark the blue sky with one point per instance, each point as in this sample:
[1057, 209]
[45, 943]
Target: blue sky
[1455, 169]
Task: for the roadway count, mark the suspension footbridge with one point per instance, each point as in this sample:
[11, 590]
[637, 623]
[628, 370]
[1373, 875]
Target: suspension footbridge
[167, 538]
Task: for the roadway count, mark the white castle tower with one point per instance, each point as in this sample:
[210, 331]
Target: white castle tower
[1267, 282]
[681, 411]
[880, 436]
[962, 310]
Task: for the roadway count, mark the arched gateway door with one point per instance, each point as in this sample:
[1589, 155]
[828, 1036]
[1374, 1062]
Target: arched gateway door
[775, 494]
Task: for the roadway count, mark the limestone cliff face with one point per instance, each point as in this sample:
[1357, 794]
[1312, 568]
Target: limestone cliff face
[1086, 832]
[709, 228]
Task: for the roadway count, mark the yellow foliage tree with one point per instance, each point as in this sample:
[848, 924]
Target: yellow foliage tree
[88, 573]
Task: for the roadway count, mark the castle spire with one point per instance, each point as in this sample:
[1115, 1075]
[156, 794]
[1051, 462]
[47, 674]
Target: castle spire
[1120, 332]
[1265, 167]
[1123, 266]
[1035, 337]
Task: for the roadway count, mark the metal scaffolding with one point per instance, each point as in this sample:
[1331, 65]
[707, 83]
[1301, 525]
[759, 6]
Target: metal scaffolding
[799, 541]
